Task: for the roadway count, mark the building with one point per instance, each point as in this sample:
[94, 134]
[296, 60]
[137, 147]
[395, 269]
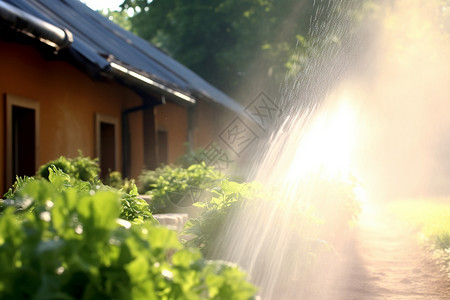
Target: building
[72, 80]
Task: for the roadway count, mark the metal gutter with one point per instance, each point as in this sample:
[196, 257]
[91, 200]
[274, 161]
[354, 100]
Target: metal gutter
[28, 24]
[126, 73]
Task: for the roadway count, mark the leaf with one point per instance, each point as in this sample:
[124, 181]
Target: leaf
[185, 258]
[70, 244]
[106, 209]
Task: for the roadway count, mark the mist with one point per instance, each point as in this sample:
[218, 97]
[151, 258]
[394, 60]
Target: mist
[401, 96]
[383, 122]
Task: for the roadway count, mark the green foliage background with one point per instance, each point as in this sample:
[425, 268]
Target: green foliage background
[243, 46]
[168, 186]
[226, 42]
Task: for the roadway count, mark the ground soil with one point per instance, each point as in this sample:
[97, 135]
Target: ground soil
[379, 259]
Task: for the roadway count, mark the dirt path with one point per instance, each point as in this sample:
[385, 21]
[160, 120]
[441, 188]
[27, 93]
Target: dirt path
[381, 260]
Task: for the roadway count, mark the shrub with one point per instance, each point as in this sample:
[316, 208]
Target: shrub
[80, 167]
[18, 184]
[330, 209]
[61, 163]
[114, 179]
[226, 199]
[170, 187]
[278, 242]
[71, 244]
[191, 158]
[132, 208]
[335, 201]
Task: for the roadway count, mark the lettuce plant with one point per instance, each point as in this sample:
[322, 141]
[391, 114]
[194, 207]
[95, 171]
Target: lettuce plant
[68, 242]
[169, 186]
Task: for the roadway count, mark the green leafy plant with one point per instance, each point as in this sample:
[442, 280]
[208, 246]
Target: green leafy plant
[80, 167]
[18, 184]
[133, 208]
[254, 212]
[114, 179]
[73, 245]
[226, 199]
[431, 216]
[191, 157]
[169, 186]
[336, 201]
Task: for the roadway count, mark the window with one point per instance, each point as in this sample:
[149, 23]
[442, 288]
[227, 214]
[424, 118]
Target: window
[106, 146]
[163, 152]
[22, 137]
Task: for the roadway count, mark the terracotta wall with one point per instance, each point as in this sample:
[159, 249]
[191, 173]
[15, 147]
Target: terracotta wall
[69, 100]
[173, 119]
[206, 119]
[68, 103]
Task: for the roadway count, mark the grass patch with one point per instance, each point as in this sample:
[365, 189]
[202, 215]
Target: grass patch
[430, 216]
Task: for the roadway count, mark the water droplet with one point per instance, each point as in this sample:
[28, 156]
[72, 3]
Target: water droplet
[27, 203]
[123, 223]
[167, 274]
[45, 216]
[60, 270]
[114, 242]
[49, 204]
[79, 229]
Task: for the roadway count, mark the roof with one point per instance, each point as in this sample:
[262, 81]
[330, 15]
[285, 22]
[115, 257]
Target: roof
[111, 50]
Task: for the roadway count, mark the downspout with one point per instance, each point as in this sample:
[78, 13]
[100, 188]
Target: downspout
[190, 132]
[125, 74]
[126, 142]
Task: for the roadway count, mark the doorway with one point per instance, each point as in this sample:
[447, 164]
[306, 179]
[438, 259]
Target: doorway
[22, 137]
[106, 143]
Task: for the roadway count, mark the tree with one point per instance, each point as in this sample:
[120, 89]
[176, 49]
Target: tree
[227, 42]
[240, 46]
[118, 17]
